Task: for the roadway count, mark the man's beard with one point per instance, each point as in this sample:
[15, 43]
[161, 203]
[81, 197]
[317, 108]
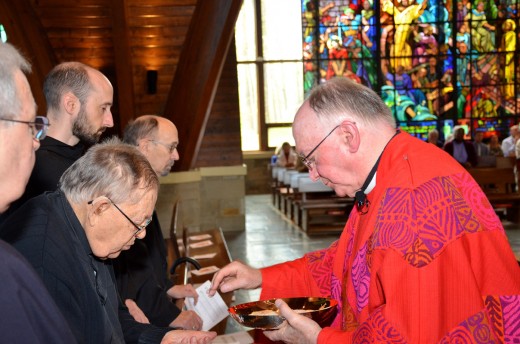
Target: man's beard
[81, 129]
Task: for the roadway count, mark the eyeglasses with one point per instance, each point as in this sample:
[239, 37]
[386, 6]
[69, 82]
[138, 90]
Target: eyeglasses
[139, 228]
[38, 127]
[305, 159]
[171, 148]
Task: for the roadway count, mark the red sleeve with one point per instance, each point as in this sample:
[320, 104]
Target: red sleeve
[289, 279]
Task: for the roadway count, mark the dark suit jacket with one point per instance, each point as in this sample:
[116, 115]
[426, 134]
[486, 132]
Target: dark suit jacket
[29, 314]
[141, 274]
[48, 233]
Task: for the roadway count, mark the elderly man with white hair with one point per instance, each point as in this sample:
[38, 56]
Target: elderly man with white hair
[29, 314]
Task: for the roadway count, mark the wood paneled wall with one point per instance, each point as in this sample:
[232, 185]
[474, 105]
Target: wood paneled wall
[124, 39]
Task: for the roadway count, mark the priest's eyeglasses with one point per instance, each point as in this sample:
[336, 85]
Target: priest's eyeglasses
[38, 127]
[305, 159]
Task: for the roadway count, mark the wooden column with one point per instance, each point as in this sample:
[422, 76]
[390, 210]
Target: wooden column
[198, 72]
[122, 55]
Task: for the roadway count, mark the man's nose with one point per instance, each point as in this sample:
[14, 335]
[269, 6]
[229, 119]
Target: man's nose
[108, 120]
[313, 174]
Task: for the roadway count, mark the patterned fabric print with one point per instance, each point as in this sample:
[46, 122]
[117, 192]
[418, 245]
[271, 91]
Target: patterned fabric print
[420, 222]
[494, 310]
[511, 311]
[361, 278]
[377, 330]
[336, 295]
[472, 194]
[476, 329]
[350, 322]
[320, 266]
[350, 316]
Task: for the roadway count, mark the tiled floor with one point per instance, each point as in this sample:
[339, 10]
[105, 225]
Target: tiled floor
[270, 238]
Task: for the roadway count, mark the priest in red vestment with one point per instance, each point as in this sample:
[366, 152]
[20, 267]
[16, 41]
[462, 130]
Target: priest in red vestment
[423, 257]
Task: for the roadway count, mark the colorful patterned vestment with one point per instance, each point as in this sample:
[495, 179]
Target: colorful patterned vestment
[428, 263]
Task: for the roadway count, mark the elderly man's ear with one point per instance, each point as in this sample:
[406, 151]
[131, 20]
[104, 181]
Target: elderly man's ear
[97, 208]
[350, 133]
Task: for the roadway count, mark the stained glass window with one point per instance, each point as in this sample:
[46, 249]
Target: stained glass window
[436, 63]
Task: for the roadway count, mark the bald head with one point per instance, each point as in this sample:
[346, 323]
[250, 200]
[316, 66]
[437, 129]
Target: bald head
[79, 100]
[157, 138]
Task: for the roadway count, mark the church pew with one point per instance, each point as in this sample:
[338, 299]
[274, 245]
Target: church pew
[320, 211]
[499, 185]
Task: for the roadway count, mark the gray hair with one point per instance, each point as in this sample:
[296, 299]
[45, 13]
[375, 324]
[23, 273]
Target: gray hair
[112, 169]
[10, 61]
[145, 126]
[66, 77]
[339, 96]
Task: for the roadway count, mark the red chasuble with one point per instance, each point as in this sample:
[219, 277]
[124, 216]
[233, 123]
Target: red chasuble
[428, 263]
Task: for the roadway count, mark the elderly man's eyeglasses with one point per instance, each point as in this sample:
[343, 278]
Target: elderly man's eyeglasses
[139, 228]
[171, 148]
[305, 159]
[38, 127]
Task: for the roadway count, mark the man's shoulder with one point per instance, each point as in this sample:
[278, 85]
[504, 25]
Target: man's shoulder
[31, 226]
[33, 315]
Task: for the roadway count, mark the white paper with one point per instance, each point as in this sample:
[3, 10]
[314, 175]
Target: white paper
[212, 310]
[241, 337]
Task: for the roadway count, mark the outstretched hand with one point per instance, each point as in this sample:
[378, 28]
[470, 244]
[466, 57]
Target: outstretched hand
[297, 329]
[183, 291]
[233, 276]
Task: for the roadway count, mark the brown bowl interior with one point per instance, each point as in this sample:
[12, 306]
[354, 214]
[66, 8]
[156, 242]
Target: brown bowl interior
[320, 309]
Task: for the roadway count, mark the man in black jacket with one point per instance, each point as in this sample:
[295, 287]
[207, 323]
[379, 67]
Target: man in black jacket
[104, 203]
[79, 99]
[141, 272]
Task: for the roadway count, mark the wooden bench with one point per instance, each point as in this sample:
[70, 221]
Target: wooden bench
[319, 210]
[499, 185]
[274, 183]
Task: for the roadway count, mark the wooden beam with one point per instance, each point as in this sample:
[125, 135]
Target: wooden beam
[198, 72]
[124, 88]
[25, 31]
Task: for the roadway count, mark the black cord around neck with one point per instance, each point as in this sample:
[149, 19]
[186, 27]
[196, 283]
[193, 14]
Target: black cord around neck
[360, 198]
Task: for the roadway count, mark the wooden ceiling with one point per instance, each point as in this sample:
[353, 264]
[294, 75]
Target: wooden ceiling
[186, 41]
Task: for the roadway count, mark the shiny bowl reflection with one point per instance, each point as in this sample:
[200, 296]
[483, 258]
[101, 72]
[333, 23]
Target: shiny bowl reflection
[261, 314]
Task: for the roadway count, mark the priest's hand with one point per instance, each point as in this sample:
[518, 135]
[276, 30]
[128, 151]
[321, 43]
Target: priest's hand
[233, 276]
[297, 329]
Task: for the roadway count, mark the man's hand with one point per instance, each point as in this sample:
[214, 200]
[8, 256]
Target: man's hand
[183, 291]
[235, 275]
[188, 320]
[188, 337]
[297, 329]
[136, 312]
